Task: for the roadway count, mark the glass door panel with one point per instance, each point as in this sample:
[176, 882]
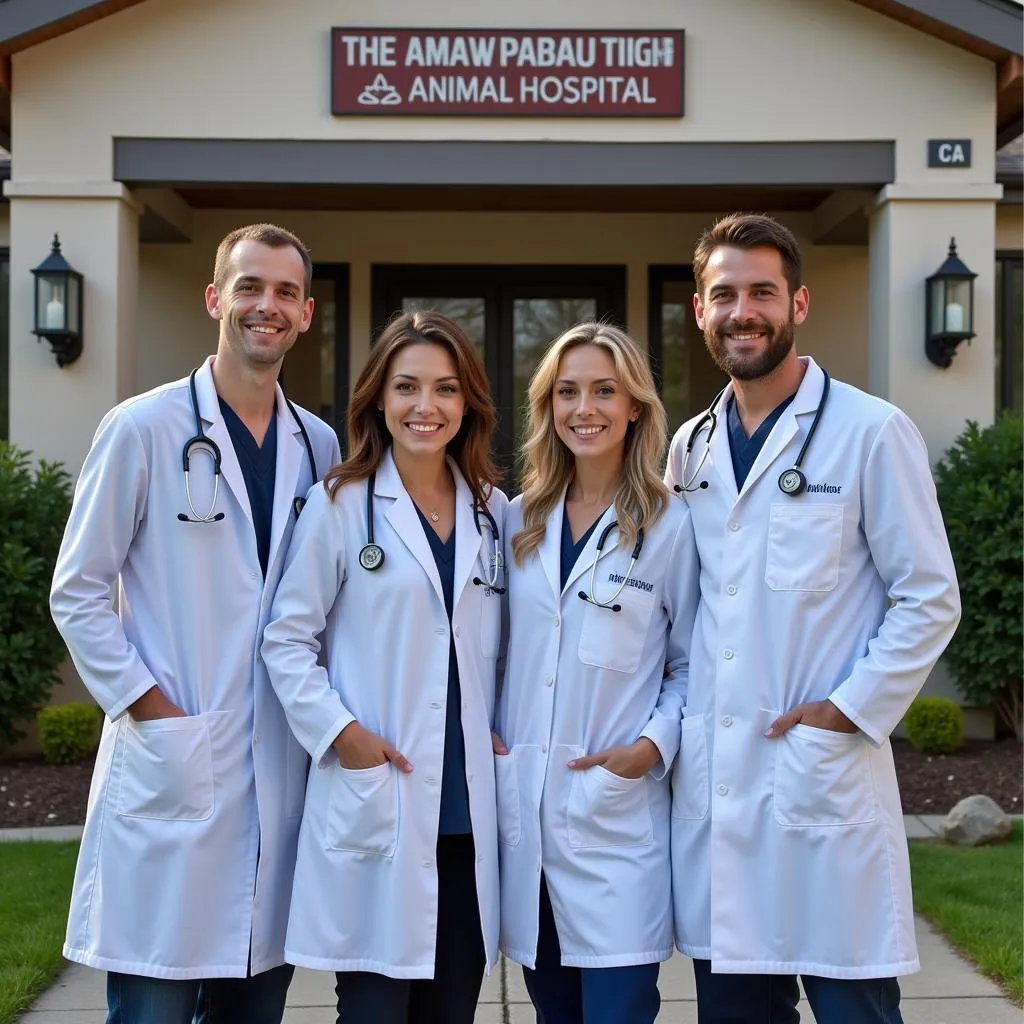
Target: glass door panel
[512, 313]
[535, 324]
[686, 375]
[468, 313]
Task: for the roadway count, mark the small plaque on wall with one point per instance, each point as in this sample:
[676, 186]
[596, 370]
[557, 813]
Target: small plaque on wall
[949, 152]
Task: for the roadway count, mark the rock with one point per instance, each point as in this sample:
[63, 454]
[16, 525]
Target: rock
[975, 820]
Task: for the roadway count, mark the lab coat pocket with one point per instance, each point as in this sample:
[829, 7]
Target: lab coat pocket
[822, 778]
[615, 640]
[607, 810]
[805, 544]
[362, 812]
[506, 783]
[690, 776]
[167, 770]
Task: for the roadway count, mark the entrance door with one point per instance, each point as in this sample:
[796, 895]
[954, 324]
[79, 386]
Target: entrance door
[315, 371]
[512, 313]
[686, 376]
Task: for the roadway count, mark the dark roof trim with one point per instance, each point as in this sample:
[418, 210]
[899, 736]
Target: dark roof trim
[24, 23]
[21, 17]
[998, 23]
[994, 22]
[175, 163]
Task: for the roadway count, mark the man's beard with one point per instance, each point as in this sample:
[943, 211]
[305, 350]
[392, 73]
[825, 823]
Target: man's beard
[751, 367]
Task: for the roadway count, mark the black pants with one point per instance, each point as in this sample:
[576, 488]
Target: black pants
[450, 997]
[772, 998]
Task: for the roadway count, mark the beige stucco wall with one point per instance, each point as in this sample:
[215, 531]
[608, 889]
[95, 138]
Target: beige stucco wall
[1009, 228]
[174, 332]
[820, 69]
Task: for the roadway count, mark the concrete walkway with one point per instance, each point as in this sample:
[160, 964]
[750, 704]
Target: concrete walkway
[946, 991]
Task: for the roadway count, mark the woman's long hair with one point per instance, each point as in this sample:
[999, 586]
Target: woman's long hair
[368, 436]
[549, 465]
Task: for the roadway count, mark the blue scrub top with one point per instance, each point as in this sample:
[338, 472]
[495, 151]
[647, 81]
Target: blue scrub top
[259, 470]
[454, 819]
[571, 552]
[745, 450]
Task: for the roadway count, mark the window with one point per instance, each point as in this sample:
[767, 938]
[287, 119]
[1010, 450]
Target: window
[1010, 331]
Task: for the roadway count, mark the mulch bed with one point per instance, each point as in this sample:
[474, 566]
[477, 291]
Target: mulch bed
[34, 793]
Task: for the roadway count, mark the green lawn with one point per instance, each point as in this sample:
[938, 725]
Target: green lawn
[35, 888]
[975, 897]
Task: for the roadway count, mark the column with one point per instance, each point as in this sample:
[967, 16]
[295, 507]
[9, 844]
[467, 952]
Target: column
[53, 411]
[910, 229]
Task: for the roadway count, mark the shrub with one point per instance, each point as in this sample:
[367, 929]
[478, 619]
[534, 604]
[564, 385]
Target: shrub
[981, 491]
[68, 732]
[934, 725]
[34, 505]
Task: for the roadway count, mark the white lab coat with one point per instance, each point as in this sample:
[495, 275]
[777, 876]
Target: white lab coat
[365, 896]
[789, 855]
[190, 835]
[580, 679]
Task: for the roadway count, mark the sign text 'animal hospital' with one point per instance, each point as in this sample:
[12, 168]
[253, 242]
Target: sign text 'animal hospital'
[474, 72]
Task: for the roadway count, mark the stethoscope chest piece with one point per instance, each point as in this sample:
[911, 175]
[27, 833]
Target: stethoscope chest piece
[792, 482]
[371, 557]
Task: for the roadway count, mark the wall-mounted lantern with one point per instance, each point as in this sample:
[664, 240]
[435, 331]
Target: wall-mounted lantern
[949, 315]
[58, 315]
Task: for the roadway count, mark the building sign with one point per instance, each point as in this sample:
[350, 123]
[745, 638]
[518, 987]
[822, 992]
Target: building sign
[949, 152]
[538, 73]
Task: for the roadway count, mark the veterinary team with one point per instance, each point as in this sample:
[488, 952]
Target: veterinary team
[689, 739]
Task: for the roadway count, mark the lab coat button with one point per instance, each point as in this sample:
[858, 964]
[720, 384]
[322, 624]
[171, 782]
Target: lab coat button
[544, 748]
[252, 575]
[440, 630]
[734, 526]
[727, 654]
[730, 590]
[556, 622]
[256, 739]
[722, 790]
[549, 680]
[727, 720]
[458, 631]
[430, 780]
[428, 863]
[436, 704]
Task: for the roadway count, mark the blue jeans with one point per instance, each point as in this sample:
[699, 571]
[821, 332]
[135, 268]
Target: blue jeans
[772, 998]
[587, 995]
[133, 999]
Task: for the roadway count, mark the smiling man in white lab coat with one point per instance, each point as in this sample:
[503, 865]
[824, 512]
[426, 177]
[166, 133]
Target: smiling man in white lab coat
[185, 870]
[827, 594]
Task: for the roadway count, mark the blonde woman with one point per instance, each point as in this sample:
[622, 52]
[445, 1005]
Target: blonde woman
[602, 596]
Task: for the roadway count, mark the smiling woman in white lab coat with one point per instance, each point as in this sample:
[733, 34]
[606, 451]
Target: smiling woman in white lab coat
[602, 596]
[396, 568]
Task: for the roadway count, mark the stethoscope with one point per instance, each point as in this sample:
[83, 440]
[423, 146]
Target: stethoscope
[592, 597]
[371, 557]
[791, 482]
[202, 443]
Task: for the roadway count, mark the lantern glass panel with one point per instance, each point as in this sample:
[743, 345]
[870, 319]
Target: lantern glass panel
[958, 306]
[52, 303]
[937, 301]
[74, 305]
